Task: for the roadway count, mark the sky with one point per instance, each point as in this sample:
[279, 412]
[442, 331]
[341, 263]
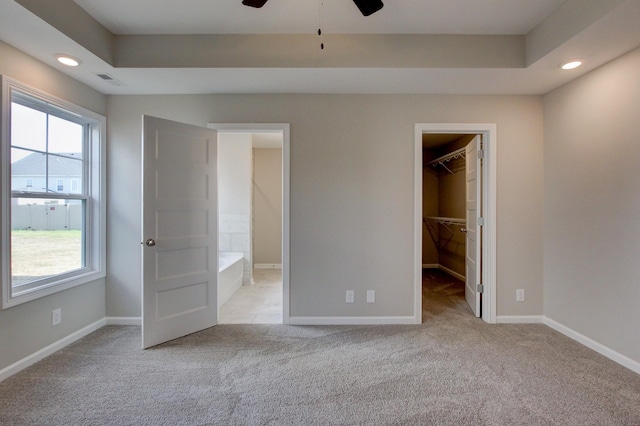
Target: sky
[29, 130]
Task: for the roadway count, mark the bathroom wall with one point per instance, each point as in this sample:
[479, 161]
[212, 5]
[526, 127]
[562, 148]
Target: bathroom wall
[234, 196]
[267, 206]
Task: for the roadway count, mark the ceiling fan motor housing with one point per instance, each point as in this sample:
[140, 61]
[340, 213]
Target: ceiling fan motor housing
[254, 3]
[369, 7]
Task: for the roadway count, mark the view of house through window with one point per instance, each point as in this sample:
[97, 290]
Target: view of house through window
[48, 197]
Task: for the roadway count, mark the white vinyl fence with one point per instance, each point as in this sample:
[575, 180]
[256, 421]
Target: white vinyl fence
[47, 217]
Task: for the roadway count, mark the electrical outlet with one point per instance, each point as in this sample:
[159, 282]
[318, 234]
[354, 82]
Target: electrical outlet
[56, 316]
[520, 295]
[351, 296]
[371, 296]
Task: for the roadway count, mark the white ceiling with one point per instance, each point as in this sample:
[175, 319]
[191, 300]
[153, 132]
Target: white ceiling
[550, 31]
[303, 16]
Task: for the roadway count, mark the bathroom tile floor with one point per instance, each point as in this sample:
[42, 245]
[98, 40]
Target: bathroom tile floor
[260, 303]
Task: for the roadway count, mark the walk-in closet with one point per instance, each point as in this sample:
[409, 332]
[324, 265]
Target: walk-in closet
[444, 208]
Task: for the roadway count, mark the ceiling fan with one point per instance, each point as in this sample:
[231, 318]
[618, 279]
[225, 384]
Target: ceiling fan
[367, 7]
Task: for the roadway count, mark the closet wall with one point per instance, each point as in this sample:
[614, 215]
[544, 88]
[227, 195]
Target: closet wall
[444, 195]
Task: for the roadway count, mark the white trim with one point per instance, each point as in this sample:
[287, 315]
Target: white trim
[267, 265]
[489, 209]
[520, 319]
[592, 344]
[417, 214]
[124, 321]
[95, 243]
[451, 272]
[351, 320]
[286, 177]
[52, 348]
[443, 269]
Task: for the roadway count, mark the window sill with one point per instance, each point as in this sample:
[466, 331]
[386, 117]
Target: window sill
[19, 298]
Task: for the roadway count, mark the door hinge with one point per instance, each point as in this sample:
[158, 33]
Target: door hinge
[479, 288]
[481, 221]
[481, 153]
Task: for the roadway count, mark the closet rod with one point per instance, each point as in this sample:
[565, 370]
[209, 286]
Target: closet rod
[447, 220]
[458, 153]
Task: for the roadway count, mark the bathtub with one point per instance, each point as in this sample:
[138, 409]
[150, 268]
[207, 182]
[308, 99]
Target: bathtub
[230, 267]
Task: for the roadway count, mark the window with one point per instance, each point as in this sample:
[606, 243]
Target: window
[54, 232]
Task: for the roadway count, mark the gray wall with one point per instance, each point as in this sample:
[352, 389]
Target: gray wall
[26, 328]
[592, 205]
[351, 192]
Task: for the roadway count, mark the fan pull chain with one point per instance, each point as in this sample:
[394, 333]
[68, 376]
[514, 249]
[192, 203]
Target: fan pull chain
[320, 7]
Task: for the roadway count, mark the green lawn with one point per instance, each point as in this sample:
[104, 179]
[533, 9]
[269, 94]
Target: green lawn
[40, 254]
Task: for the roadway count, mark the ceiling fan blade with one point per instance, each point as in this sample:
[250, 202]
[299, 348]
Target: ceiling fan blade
[369, 7]
[254, 3]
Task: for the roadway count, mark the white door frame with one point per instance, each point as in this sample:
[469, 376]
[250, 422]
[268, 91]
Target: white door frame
[267, 128]
[489, 209]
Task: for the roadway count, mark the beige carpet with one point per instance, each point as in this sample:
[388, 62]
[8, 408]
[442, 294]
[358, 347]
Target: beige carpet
[452, 370]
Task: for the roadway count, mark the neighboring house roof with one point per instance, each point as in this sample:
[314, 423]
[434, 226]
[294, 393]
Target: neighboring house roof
[67, 164]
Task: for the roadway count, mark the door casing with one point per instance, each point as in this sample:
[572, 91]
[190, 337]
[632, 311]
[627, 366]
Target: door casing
[284, 129]
[489, 209]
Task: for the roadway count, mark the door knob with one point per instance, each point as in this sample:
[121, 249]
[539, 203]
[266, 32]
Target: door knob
[150, 242]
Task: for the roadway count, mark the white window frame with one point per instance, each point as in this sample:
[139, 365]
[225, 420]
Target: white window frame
[95, 225]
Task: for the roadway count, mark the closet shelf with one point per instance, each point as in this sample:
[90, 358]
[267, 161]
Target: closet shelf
[440, 161]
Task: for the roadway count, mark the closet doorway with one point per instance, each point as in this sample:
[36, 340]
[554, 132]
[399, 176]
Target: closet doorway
[455, 202]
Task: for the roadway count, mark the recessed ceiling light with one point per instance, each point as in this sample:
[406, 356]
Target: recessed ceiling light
[570, 65]
[68, 60]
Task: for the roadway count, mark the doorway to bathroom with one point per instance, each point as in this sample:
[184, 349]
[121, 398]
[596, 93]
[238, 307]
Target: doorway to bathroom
[455, 211]
[253, 223]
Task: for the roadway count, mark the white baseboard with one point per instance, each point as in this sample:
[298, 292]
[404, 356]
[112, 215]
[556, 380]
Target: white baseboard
[520, 319]
[592, 344]
[444, 269]
[452, 273]
[52, 348]
[124, 321]
[503, 319]
[267, 266]
[351, 320]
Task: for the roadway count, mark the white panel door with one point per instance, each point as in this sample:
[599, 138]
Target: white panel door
[474, 234]
[179, 230]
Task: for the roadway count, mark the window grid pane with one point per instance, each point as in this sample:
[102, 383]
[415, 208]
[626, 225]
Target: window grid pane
[47, 238]
[47, 234]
